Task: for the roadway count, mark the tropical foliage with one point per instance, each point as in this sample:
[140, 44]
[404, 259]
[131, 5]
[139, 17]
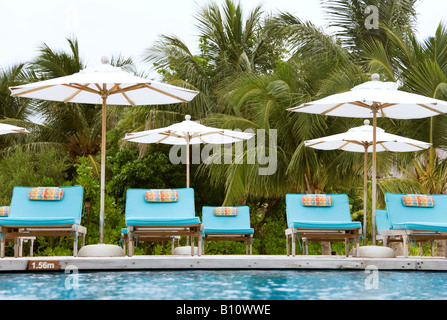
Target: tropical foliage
[250, 66]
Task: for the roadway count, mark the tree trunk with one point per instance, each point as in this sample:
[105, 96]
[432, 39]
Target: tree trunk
[441, 244]
[325, 248]
[397, 247]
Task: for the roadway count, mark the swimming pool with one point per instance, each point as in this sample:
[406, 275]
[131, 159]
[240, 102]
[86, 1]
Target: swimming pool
[225, 285]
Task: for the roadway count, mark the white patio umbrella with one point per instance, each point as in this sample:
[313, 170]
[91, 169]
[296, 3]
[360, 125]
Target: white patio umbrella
[9, 128]
[375, 99]
[104, 84]
[186, 133]
[360, 139]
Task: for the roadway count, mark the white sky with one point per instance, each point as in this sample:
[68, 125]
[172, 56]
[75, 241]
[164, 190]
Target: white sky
[128, 27]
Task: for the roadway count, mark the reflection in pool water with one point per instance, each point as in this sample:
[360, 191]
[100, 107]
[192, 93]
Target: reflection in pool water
[225, 285]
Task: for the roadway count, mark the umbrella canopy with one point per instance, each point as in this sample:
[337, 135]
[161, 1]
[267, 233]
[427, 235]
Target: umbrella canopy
[104, 84]
[185, 133]
[382, 98]
[8, 128]
[92, 85]
[375, 99]
[360, 139]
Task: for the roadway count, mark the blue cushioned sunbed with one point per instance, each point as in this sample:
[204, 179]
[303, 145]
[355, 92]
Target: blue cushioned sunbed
[423, 218]
[228, 228]
[416, 223]
[320, 223]
[44, 217]
[160, 220]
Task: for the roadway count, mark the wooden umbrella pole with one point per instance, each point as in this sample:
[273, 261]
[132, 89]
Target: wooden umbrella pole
[374, 169]
[103, 172]
[365, 193]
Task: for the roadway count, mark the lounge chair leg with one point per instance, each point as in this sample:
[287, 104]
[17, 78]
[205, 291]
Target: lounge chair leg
[16, 247]
[2, 245]
[347, 247]
[192, 245]
[357, 247]
[405, 241]
[129, 241]
[421, 249]
[20, 242]
[293, 244]
[129, 246]
[433, 248]
[31, 248]
[75, 245]
[83, 240]
[287, 245]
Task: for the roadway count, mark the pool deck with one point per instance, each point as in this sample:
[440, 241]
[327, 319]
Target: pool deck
[185, 262]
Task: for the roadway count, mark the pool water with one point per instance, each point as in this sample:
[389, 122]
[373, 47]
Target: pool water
[225, 285]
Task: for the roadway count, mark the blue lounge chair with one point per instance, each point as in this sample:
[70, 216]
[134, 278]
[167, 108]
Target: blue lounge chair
[43, 217]
[415, 222]
[320, 223]
[148, 220]
[233, 227]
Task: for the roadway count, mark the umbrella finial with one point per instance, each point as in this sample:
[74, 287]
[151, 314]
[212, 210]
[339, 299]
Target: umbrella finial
[366, 122]
[105, 60]
[187, 117]
[375, 77]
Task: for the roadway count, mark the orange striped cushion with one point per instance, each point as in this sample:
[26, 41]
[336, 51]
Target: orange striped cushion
[46, 193]
[415, 200]
[158, 195]
[225, 211]
[316, 200]
[4, 211]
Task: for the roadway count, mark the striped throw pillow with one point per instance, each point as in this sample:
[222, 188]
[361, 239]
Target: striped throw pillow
[316, 200]
[414, 200]
[159, 195]
[225, 211]
[46, 193]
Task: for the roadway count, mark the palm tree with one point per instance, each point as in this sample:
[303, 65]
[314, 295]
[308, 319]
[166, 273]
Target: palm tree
[350, 19]
[14, 110]
[230, 44]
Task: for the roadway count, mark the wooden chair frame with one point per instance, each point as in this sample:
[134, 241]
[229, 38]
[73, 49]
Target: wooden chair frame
[321, 235]
[239, 237]
[15, 232]
[163, 233]
[407, 235]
